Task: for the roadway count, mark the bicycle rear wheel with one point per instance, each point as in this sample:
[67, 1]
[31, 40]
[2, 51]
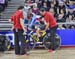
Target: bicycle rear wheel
[7, 45]
[57, 41]
[47, 42]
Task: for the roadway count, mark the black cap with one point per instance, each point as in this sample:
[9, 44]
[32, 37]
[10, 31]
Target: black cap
[43, 9]
[20, 7]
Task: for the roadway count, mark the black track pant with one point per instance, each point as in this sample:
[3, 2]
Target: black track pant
[52, 37]
[19, 37]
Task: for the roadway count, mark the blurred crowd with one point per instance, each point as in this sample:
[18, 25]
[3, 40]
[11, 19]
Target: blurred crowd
[3, 5]
[63, 10]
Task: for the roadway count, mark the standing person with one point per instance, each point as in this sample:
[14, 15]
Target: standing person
[18, 29]
[52, 24]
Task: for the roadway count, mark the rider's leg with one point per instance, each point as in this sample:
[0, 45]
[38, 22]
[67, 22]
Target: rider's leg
[38, 33]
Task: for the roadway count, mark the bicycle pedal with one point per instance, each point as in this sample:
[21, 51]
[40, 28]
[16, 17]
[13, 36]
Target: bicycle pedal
[8, 47]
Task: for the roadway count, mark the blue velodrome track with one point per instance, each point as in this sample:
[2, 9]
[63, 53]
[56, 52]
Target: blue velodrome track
[67, 36]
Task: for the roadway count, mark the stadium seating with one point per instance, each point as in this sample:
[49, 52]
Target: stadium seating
[7, 13]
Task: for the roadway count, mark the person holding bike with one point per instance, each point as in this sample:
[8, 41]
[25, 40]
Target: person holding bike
[52, 24]
[18, 29]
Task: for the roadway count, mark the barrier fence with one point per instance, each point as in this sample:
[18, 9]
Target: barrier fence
[67, 36]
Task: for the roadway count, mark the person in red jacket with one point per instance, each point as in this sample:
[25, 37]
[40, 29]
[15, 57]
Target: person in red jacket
[18, 28]
[50, 23]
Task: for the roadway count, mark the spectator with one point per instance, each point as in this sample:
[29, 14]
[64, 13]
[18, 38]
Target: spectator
[56, 5]
[61, 17]
[72, 27]
[60, 26]
[45, 6]
[35, 9]
[2, 5]
[71, 12]
[62, 7]
[71, 8]
[39, 4]
[69, 19]
[29, 2]
[66, 2]
[48, 3]
[52, 11]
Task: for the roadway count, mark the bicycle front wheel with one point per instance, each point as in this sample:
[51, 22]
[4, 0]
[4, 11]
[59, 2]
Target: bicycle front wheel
[46, 42]
[30, 44]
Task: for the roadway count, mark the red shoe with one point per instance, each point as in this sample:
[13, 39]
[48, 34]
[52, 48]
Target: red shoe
[25, 55]
[50, 50]
[53, 51]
